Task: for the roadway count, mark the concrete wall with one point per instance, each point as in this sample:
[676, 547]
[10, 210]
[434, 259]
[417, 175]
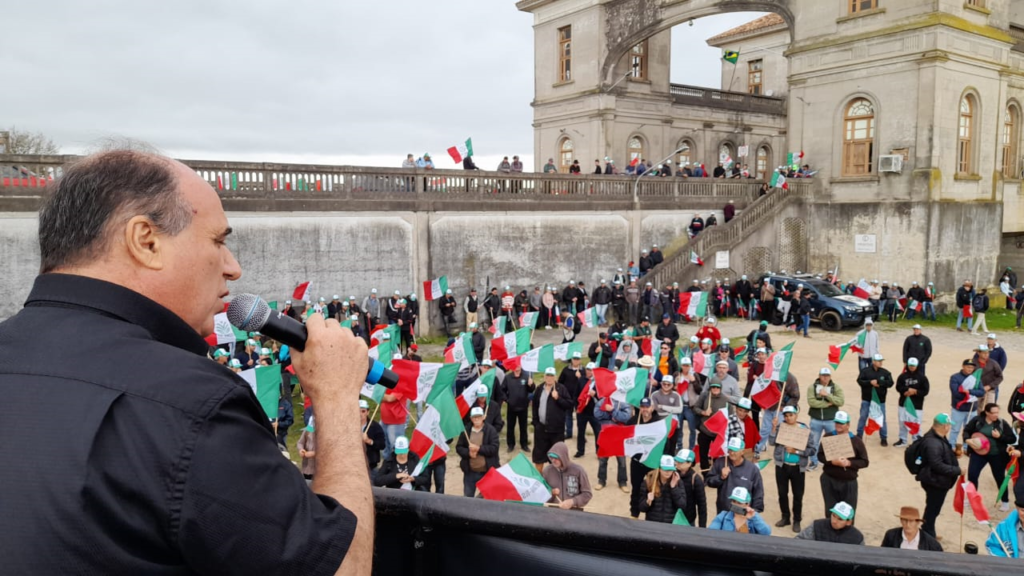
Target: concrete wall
[349, 255]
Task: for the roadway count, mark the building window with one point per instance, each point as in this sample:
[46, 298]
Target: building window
[565, 54]
[754, 68]
[859, 138]
[565, 155]
[862, 5]
[725, 154]
[686, 152]
[636, 149]
[761, 166]
[965, 151]
[1011, 119]
[976, 3]
[638, 61]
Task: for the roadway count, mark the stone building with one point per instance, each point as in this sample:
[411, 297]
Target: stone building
[910, 110]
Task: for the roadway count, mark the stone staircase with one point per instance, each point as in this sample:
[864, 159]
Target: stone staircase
[761, 212]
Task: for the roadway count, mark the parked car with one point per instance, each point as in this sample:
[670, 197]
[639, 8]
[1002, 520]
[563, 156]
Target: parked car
[830, 307]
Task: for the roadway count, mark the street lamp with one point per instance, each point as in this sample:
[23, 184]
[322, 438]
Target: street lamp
[636, 183]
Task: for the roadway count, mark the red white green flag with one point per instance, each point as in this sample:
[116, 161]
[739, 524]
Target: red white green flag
[517, 481]
[965, 491]
[777, 365]
[779, 181]
[383, 352]
[857, 343]
[565, 351]
[862, 290]
[694, 259]
[536, 360]
[303, 292]
[876, 415]
[913, 419]
[425, 461]
[766, 393]
[588, 317]
[693, 304]
[461, 351]
[628, 386]
[529, 319]
[511, 344]
[837, 353]
[915, 305]
[704, 363]
[718, 424]
[968, 311]
[647, 440]
[435, 289]
[498, 326]
[429, 437]
[468, 397]
[969, 383]
[416, 379]
[460, 152]
[377, 334]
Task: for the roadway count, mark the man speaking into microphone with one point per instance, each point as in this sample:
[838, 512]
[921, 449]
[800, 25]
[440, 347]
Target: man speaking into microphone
[130, 452]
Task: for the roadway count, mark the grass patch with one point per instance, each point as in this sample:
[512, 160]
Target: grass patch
[997, 319]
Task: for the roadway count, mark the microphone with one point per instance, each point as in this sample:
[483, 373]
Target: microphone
[250, 313]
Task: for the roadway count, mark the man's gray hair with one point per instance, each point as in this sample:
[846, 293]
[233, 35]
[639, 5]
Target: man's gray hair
[97, 195]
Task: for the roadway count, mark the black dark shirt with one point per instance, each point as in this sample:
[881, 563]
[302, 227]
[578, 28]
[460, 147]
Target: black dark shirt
[131, 452]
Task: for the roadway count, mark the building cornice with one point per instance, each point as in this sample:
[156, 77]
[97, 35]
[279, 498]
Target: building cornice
[531, 5]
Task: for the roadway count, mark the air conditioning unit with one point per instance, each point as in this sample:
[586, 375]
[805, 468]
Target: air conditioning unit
[890, 163]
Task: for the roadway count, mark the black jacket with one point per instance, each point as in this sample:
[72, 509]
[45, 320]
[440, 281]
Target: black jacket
[868, 374]
[375, 433]
[696, 506]
[556, 409]
[604, 350]
[671, 332]
[517, 390]
[657, 257]
[915, 381]
[387, 476]
[488, 448]
[602, 295]
[939, 468]
[479, 345]
[963, 297]
[1007, 436]
[663, 507]
[919, 347]
[894, 537]
[645, 264]
[570, 381]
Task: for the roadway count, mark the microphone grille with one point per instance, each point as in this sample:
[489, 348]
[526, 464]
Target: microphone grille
[248, 312]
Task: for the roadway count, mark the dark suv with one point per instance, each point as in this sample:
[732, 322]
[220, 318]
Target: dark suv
[830, 307]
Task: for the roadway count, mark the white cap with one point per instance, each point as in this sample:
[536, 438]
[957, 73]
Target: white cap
[482, 391]
[725, 340]
[761, 351]
[841, 417]
[509, 287]
[549, 371]
[685, 455]
[472, 325]
[877, 358]
[991, 336]
[916, 327]
[401, 444]
[288, 302]
[336, 297]
[448, 291]
[649, 284]
[980, 348]
[722, 363]
[576, 355]
[397, 293]
[735, 444]
[912, 361]
[914, 283]
[826, 371]
[694, 339]
[591, 366]
[487, 362]
[667, 463]
[602, 281]
[843, 510]
[706, 341]
[321, 299]
[396, 356]
[476, 411]
[739, 493]
[373, 291]
[363, 404]
[869, 321]
[744, 403]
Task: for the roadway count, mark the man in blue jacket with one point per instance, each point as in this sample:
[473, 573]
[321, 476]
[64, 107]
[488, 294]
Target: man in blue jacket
[1005, 540]
[963, 402]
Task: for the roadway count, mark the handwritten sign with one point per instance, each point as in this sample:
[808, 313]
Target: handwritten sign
[793, 436]
[837, 446]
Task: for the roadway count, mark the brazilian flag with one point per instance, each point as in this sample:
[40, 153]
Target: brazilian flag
[730, 56]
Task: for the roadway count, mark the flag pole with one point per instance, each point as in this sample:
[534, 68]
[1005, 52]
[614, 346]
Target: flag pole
[1000, 540]
[372, 416]
[963, 511]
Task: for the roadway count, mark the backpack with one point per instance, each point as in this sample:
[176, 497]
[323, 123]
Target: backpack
[979, 302]
[577, 326]
[913, 457]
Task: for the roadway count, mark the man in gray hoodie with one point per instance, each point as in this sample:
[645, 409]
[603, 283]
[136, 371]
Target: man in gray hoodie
[570, 486]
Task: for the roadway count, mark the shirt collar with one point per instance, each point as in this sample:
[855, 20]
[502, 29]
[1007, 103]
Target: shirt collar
[71, 291]
[915, 541]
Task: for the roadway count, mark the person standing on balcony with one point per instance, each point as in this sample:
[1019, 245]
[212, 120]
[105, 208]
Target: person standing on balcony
[719, 171]
[597, 167]
[609, 166]
[468, 164]
[550, 167]
[575, 168]
[764, 190]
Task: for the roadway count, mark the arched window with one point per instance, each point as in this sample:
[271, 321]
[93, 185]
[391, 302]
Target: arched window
[859, 138]
[726, 155]
[763, 159]
[1011, 123]
[686, 153]
[565, 155]
[636, 149]
[965, 143]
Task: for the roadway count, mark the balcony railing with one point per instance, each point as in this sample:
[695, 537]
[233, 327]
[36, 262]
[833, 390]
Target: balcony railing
[741, 101]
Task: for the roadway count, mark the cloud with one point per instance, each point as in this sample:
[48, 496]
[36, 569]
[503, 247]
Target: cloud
[296, 81]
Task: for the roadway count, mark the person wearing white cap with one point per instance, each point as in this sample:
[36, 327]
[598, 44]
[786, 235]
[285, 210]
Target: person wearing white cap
[334, 307]
[740, 517]
[573, 377]
[397, 469]
[964, 305]
[587, 398]
[307, 450]
[870, 346]
[739, 422]
[696, 225]
[484, 400]
[839, 476]
[825, 397]
[602, 298]
[837, 527]
[662, 494]
[996, 352]
[917, 346]
[696, 507]
[688, 386]
[875, 380]
[371, 307]
[912, 386]
[790, 471]
[991, 373]
[447, 304]
[649, 300]
[508, 304]
[551, 404]
[736, 471]
[632, 295]
[373, 437]
[478, 448]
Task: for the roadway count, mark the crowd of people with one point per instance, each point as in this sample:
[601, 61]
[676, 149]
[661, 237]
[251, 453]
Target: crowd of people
[674, 491]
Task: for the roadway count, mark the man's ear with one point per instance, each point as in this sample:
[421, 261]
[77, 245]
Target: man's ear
[144, 243]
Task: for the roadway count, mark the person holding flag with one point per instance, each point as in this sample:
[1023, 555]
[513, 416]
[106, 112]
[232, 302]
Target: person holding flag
[874, 382]
[401, 468]
[964, 300]
[912, 386]
[482, 399]
[689, 385]
[585, 400]
[611, 412]
[552, 404]
[572, 379]
[965, 390]
[1004, 541]
[478, 448]
[866, 343]
[696, 507]
[373, 437]
[735, 471]
[1000, 437]
[668, 404]
[637, 469]
[662, 494]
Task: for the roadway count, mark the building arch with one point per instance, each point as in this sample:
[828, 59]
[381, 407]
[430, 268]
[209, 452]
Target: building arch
[1010, 134]
[636, 148]
[969, 115]
[858, 120]
[687, 156]
[763, 166]
[566, 154]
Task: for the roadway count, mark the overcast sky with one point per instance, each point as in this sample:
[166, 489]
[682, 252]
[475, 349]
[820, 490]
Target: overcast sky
[299, 81]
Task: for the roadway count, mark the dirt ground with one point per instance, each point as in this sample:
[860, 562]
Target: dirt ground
[885, 485]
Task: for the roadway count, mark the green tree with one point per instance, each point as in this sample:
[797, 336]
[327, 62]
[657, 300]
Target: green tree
[14, 141]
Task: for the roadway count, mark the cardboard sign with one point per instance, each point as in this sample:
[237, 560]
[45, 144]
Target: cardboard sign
[793, 436]
[837, 446]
